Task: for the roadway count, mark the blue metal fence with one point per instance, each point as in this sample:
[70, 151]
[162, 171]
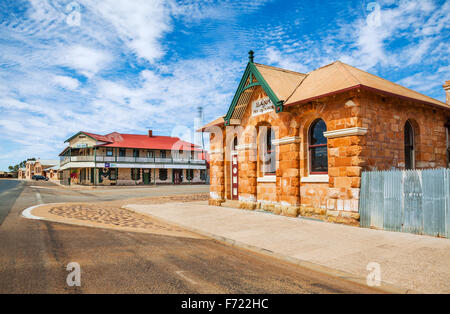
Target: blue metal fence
[413, 201]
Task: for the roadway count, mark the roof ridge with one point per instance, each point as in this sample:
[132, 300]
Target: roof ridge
[325, 66]
[342, 64]
[295, 89]
[306, 76]
[279, 69]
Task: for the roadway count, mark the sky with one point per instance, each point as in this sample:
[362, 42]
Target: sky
[133, 65]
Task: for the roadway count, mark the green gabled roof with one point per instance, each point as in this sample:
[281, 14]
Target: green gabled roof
[248, 81]
[94, 136]
[73, 136]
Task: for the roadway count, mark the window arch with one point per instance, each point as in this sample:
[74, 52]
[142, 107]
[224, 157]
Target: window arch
[268, 152]
[234, 144]
[318, 148]
[409, 146]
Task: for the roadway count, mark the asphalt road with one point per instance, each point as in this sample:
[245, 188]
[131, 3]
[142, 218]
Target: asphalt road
[9, 192]
[34, 255]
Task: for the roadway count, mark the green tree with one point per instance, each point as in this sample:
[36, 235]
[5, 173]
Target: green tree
[16, 168]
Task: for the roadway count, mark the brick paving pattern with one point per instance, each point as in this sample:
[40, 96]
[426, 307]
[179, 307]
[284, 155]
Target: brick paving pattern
[108, 215]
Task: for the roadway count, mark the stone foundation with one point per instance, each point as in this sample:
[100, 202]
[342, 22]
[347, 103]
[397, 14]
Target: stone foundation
[334, 216]
[248, 205]
[214, 202]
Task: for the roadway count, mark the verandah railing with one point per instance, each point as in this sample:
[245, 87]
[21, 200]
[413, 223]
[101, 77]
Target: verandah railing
[65, 159]
[412, 201]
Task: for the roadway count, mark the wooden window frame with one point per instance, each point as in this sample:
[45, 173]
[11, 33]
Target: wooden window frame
[272, 150]
[312, 147]
[411, 146]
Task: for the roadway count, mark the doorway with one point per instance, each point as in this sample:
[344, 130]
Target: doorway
[234, 176]
[177, 176]
[146, 177]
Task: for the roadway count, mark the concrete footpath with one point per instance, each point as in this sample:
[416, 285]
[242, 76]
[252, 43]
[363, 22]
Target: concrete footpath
[408, 263]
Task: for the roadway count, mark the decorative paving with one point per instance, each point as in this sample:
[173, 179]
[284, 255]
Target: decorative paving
[108, 215]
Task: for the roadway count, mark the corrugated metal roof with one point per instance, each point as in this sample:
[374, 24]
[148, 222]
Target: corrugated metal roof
[281, 81]
[146, 142]
[338, 77]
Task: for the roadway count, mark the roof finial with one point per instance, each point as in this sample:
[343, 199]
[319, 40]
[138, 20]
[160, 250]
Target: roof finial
[250, 56]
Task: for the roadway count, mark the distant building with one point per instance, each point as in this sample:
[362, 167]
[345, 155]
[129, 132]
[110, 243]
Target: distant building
[4, 174]
[21, 173]
[37, 167]
[53, 173]
[131, 159]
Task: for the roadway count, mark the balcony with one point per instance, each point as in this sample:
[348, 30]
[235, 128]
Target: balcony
[132, 160]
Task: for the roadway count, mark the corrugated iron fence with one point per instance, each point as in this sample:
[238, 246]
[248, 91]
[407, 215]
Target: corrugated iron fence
[413, 201]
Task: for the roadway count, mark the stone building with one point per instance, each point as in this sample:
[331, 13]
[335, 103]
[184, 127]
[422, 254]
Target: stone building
[130, 159]
[296, 144]
[21, 174]
[37, 168]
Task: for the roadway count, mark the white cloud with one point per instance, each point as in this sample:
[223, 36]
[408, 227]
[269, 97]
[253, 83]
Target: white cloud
[285, 61]
[66, 82]
[87, 61]
[139, 23]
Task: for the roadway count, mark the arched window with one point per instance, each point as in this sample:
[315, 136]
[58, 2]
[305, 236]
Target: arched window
[235, 144]
[409, 146]
[268, 152]
[317, 145]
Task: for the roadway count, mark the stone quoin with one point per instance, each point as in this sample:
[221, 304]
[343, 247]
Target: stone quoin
[296, 144]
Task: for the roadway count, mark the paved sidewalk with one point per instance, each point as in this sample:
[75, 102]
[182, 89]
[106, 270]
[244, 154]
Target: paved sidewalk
[407, 261]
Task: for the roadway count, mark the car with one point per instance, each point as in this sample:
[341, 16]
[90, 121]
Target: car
[38, 178]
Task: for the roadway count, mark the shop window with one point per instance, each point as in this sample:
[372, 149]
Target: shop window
[268, 152]
[163, 174]
[112, 174]
[135, 174]
[409, 146]
[122, 152]
[189, 174]
[109, 152]
[317, 144]
[203, 175]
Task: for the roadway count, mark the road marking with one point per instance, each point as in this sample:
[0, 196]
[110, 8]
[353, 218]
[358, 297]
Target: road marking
[27, 213]
[180, 273]
[42, 187]
[39, 198]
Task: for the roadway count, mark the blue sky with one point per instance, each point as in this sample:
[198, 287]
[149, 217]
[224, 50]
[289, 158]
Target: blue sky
[126, 66]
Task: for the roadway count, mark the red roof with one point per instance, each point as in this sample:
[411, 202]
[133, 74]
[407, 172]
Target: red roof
[143, 141]
[100, 138]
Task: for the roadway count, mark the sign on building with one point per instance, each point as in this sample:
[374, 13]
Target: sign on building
[262, 106]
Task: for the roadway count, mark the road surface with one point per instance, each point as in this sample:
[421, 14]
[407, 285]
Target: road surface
[34, 254]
